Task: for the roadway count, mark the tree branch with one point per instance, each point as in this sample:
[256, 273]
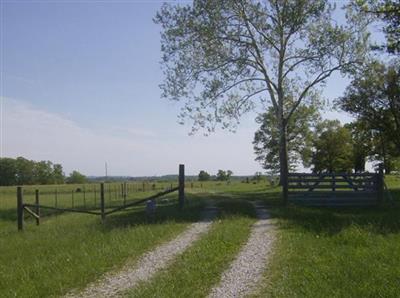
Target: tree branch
[322, 76]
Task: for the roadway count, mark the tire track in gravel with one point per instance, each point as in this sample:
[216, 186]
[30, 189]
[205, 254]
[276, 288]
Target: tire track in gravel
[112, 285]
[246, 271]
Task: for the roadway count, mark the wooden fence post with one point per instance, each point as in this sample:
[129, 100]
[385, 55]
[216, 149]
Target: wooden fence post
[84, 196]
[20, 209]
[103, 216]
[380, 184]
[37, 206]
[95, 196]
[124, 192]
[181, 185]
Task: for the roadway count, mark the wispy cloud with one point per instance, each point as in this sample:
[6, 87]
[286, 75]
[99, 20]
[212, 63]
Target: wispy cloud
[131, 132]
[42, 135]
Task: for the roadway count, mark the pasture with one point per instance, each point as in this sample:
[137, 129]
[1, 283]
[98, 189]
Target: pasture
[349, 252]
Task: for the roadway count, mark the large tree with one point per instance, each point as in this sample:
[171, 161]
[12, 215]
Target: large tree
[22, 171]
[76, 178]
[300, 133]
[362, 142]
[8, 171]
[204, 176]
[333, 148]
[220, 57]
[373, 97]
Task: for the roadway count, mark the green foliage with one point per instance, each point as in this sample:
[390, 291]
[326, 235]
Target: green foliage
[76, 178]
[257, 177]
[362, 140]
[43, 172]
[220, 56]
[387, 11]
[223, 58]
[21, 171]
[58, 174]
[25, 171]
[8, 172]
[390, 14]
[224, 175]
[300, 133]
[71, 250]
[204, 176]
[333, 148]
[373, 97]
[351, 252]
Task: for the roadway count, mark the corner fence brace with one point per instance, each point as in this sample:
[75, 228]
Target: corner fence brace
[34, 209]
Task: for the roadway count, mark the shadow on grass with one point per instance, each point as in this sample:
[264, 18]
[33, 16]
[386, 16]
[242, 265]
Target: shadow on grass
[321, 220]
[166, 212]
[192, 212]
[8, 214]
[327, 220]
[383, 219]
[269, 196]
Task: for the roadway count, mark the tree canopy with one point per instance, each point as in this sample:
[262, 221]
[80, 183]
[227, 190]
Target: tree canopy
[204, 176]
[224, 175]
[21, 171]
[76, 178]
[333, 148]
[373, 97]
[387, 11]
[300, 135]
[225, 58]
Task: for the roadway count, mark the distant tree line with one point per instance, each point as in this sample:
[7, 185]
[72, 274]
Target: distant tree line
[220, 176]
[21, 171]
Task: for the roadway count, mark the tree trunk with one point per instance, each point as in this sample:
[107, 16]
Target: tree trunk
[283, 159]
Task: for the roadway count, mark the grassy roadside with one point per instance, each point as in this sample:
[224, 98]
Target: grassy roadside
[71, 250]
[342, 252]
[335, 253]
[320, 252]
[198, 269]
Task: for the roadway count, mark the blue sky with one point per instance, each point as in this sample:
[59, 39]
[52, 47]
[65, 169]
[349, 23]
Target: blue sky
[80, 87]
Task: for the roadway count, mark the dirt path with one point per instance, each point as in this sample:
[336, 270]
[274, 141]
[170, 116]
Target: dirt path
[246, 271]
[149, 264]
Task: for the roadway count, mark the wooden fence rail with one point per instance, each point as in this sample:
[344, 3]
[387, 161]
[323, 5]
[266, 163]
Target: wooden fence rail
[336, 188]
[35, 209]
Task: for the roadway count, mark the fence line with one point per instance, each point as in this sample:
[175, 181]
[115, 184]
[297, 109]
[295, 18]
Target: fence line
[35, 209]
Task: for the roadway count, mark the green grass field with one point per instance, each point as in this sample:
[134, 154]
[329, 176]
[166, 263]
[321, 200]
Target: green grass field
[320, 252]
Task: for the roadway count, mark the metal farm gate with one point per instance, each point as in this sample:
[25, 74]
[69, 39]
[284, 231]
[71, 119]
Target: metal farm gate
[336, 189]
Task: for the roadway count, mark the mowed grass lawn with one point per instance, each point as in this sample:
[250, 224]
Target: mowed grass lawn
[67, 251]
[346, 252]
[319, 252]
[70, 250]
